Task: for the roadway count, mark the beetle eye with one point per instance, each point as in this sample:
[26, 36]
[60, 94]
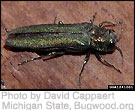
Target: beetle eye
[111, 44]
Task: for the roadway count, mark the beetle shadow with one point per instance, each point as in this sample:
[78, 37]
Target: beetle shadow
[45, 53]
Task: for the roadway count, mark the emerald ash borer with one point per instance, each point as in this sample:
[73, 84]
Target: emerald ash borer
[59, 39]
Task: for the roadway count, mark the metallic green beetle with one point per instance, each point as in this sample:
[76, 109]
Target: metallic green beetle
[59, 39]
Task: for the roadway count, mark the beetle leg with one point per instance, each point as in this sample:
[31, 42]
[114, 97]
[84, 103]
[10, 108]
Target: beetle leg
[106, 22]
[52, 54]
[94, 16]
[3, 85]
[60, 22]
[121, 32]
[85, 61]
[55, 19]
[32, 59]
[109, 23]
[4, 27]
[106, 63]
[117, 48]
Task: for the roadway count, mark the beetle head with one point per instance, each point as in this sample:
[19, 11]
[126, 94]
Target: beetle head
[103, 39]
